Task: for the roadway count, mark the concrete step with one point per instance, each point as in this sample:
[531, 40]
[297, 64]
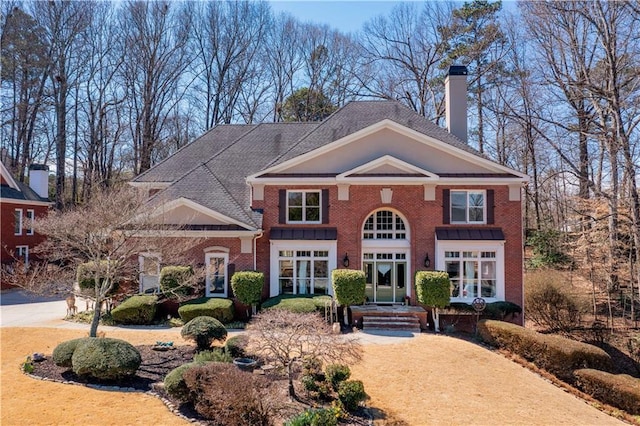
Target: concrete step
[406, 323]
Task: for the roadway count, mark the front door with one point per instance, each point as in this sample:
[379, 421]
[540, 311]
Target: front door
[386, 275]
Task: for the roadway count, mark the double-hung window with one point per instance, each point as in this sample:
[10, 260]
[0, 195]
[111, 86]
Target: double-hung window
[17, 215]
[468, 207]
[22, 255]
[30, 218]
[303, 206]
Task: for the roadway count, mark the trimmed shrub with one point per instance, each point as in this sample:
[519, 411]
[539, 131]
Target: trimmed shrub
[220, 309]
[64, 351]
[556, 354]
[138, 309]
[173, 279]
[500, 310]
[204, 330]
[619, 390]
[86, 273]
[213, 355]
[314, 380]
[349, 286]
[433, 288]
[227, 396]
[316, 417]
[236, 346]
[549, 303]
[174, 382]
[247, 286]
[105, 359]
[351, 393]
[291, 303]
[336, 374]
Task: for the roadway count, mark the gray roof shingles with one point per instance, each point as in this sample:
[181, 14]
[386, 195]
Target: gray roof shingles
[25, 193]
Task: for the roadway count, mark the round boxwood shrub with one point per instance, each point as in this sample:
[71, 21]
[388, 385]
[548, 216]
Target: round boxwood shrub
[174, 382]
[64, 351]
[138, 309]
[204, 330]
[220, 309]
[105, 359]
[173, 280]
[236, 346]
[351, 393]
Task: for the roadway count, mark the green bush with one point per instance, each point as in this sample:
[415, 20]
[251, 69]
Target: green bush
[236, 346]
[138, 309]
[546, 245]
[619, 390]
[213, 355]
[174, 383]
[204, 330]
[247, 286]
[351, 393]
[86, 274]
[220, 309]
[349, 286]
[174, 280]
[316, 417]
[291, 303]
[433, 288]
[64, 351]
[549, 302]
[558, 355]
[336, 374]
[105, 359]
[500, 310]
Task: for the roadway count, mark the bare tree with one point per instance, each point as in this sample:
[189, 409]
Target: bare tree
[287, 338]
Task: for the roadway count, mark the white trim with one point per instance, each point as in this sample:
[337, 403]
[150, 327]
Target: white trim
[180, 202]
[386, 160]
[218, 249]
[18, 222]
[375, 249]
[26, 202]
[4, 172]
[304, 206]
[467, 207]
[397, 242]
[274, 265]
[371, 180]
[391, 125]
[142, 275]
[30, 221]
[460, 245]
[196, 234]
[26, 254]
[207, 259]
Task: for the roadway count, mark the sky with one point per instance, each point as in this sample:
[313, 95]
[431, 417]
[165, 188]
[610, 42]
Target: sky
[346, 16]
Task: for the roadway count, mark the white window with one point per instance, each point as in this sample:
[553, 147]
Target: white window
[303, 206]
[30, 219]
[17, 215]
[303, 271]
[384, 225]
[216, 264]
[22, 254]
[468, 207]
[149, 272]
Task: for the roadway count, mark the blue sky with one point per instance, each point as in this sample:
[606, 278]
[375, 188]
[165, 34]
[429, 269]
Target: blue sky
[347, 16]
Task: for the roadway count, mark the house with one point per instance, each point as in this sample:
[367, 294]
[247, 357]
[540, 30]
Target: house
[20, 204]
[374, 186]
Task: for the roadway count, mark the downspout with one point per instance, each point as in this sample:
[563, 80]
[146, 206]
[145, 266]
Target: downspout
[255, 256]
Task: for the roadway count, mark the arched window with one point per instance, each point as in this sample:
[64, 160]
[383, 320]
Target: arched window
[384, 225]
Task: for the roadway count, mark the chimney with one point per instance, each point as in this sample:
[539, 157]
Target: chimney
[455, 86]
[39, 179]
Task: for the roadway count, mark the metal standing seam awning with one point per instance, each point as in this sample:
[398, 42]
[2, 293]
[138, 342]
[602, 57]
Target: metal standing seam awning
[469, 234]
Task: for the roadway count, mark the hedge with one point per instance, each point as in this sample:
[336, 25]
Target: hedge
[218, 308]
[105, 359]
[433, 288]
[85, 276]
[172, 279]
[138, 309]
[297, 303]
[558, 355]
[349, 286]
[619, 390]
[247, 286]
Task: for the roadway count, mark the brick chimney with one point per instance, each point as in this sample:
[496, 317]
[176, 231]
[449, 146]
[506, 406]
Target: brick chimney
[455, 86]
[39, 179]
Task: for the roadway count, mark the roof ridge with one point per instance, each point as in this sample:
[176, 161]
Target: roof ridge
[251, 221]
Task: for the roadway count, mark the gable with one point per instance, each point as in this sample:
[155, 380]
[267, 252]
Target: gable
[183, 211]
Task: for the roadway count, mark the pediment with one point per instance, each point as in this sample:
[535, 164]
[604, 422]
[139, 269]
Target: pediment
[187, 212]
[387, 167]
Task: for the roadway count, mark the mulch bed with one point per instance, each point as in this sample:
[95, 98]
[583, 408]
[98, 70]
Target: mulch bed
[153, 369]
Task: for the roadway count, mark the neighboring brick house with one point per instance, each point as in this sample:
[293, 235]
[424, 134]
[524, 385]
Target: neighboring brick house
[375, 186]
[20, 204]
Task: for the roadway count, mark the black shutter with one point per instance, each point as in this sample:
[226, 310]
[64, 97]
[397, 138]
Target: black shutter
[231, 269]
[446, 209]
[282, 206]
[325, 205]
[490, 207]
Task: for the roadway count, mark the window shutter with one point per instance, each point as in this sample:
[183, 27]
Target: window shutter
[282, 194]
[325, 205]
[231, 269]
[490, 207]
[446, 210]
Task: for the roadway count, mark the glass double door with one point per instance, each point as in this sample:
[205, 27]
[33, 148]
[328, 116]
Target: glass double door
[386, 275]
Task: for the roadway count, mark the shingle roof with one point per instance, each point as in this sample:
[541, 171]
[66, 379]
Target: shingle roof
[25, 193]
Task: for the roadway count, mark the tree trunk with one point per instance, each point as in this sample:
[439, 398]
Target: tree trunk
[292, 390]
[95, 321]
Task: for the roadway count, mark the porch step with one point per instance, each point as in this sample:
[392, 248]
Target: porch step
[403, 323]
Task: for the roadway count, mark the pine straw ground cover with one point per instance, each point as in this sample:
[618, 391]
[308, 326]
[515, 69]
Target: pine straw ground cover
[426, 380]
